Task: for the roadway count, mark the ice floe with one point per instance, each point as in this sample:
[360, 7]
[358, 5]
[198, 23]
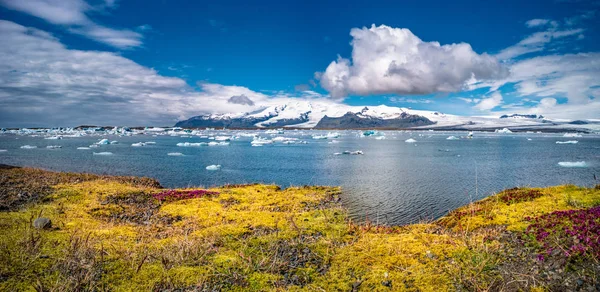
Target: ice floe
[139, 144]
[103, 142]
[188, 144]
[572, 135]
[261, 141]
[83, 148]
[103, 153]
[503, 131]
[3, 150]
[53, 147]
[357, 152]
[214, 167]
[380, 138]
[572, 164]
[28, 147]
[175, 154]
[567, 142]
[54, 138]
[410, 140]
[218, 143]
[452, 138]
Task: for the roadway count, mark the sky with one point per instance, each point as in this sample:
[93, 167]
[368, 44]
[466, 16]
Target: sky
[153, 62]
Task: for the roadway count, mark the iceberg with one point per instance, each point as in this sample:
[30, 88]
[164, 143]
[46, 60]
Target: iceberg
[223, 138]
[53, 138]
[139, 144]
[572, 164]
[567, 142]
[261, 141]
[572, 135]
[28, 147]
[333, 142]
[503, 131]
[333, 135]
[83, 148]
[103, 142]
[411, 140]
[470, 135]
[3, 150]
[175, 154]
[452, 138]
[103, 153]
[53, 146]
[380, 138]
[188, 144]
[213, 167]
[149, 143]
[275, 132]
[319, 137]
[114, 142]
[357, 152]
[218, 143]
[93, 146]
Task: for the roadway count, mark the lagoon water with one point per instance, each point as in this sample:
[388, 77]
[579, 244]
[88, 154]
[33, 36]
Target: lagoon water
[394, 182]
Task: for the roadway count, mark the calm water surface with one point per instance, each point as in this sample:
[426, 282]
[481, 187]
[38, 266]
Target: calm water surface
[394, 182]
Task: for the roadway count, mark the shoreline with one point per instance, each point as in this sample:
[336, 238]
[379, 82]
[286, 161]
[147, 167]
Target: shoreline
[129, 233]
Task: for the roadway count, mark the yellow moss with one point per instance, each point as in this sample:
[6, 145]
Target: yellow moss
[254, 238]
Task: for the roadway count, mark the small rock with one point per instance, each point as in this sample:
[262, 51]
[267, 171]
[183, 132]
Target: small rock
[42, 223]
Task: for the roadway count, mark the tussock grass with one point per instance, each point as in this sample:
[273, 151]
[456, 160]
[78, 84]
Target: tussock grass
[113, 234]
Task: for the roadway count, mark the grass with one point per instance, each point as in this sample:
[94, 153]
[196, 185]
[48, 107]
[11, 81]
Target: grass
[129, 234]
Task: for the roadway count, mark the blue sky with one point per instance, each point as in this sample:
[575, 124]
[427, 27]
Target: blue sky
[201, 51]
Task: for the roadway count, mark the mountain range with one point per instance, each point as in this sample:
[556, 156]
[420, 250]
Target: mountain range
[327, 115]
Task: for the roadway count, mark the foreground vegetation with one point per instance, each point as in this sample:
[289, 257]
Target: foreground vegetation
[129, 234]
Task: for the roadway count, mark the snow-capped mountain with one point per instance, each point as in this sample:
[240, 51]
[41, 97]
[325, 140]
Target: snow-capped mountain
[323, 114]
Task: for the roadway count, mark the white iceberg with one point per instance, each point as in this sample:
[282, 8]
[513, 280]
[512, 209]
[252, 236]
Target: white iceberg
[452, 138]
[175, 154]
[223, 138]
[572, 164]
[567, 142]
[188, 144]
[357, 152]
[139, 144]
[319, 137]
[333, 135]
[572, 135]
[83, 148]
[53, 138]
[411, 140]
[149, 143]
[28, 147]
[114, 142]
[213, 167]
[470, 135]
[218, 143]
[3, 150]
[380, 138]
[103, 142]
[93, 146]
[53, 146]
[503, 131]
[333, 142]
[103, 153]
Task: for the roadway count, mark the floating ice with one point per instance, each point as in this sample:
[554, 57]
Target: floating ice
[572, 135]
[103, 142]
[257, 145]
[503, 131]
[213, 167]
[572, 164]
[218, 143]
[175, 154]
[333, 135]
[28, 147]
[188, 144]
[53, 138]
[411, 140]
[275, 132]
[567, 142]
[53, 146]
[261, 141]
[470, 135]
[319, 137]
[83, 148]
[333, 142]
[114, 142]
[103, 153]
[357, 152]
[139, 144]
[93, 146]
[380, 138]
[223, 138]
[452, 138]
[3, 150]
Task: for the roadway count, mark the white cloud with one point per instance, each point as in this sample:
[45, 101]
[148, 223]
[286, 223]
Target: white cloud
[537, 22]
[409, 100]
[73, 15]
[394, 60]
[489, 103]
[536, 42]
[43, 83]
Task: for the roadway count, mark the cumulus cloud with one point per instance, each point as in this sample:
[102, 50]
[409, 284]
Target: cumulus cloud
[43, 83]
[73, 15]
[394, 60]
[240, 99]
[489, 103]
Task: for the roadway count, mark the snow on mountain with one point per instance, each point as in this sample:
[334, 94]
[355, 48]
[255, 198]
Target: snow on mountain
[308, 113]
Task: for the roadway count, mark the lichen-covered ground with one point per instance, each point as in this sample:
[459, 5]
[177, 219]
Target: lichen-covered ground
[129, 234]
